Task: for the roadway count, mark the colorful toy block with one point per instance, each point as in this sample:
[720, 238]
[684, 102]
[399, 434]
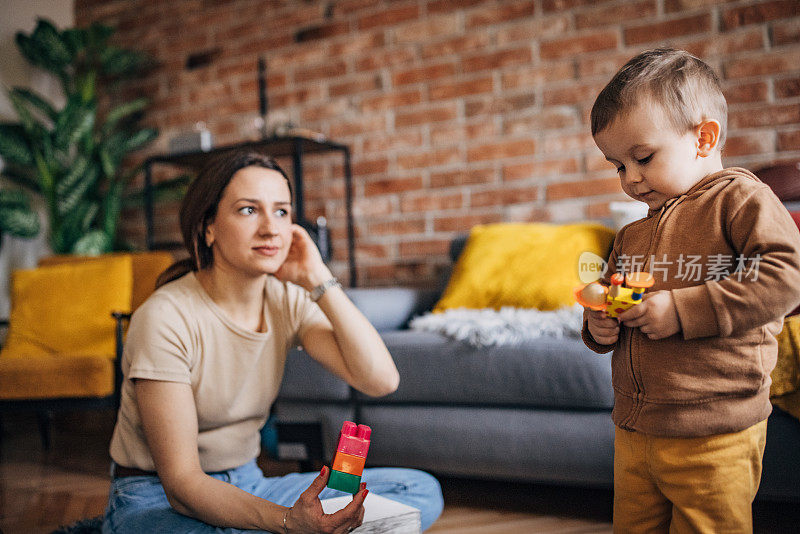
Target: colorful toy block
[615, 299]
[351, 454]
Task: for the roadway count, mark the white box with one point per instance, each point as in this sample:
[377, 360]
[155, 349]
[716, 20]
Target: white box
[381, 515]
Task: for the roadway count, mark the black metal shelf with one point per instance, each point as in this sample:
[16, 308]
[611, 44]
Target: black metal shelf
[290, 146]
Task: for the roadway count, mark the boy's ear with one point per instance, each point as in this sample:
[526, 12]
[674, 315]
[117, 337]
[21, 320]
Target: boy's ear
[707, 137]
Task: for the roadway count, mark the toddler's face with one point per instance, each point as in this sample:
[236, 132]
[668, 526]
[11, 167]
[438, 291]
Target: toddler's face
[655, 162]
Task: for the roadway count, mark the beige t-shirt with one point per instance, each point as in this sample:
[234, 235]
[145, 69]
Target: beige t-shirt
[180, 335]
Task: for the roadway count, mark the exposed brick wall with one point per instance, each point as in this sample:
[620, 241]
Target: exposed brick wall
[458, 112]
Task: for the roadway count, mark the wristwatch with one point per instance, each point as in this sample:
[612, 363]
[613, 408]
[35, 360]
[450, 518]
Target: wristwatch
[320, 290]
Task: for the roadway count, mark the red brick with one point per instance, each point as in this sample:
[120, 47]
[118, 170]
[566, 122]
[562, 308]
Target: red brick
[766, 116]
[549, 119]
[386, 58]
[447, 90]
[501, 150]
[374, 166]
[762, 12]
[331, 69]
[648, 33]
[434, 158]
[392, 142]
[463, 223]
[425, 30]
[456, 178]
[372, 207]
[672, 6]
[531, 76]
[604, 186]
[784, 33]
[496, 14]
[371, 251]
[455, 45]
[355, 86]
[391, 100]
[749, 144]
[503, 104]
[497, 60]
[503, 196]
[600, 210]
[425, 247]
[726, 44]
[295, 96]
[441, 6]
[426, 115]
[354, 44]
[553, 167]
[762, 64]
[447, 134]
[360, 124]
[403, 226]
[347, 7]
[424, 74]
[389, 17]
[788, 87]
[564, 5]
[789, 140]
[528, 30]
[428, 201]
[602, 16]
[392, 185]
[575, 94]
[746, 93]
[574, 46]
[567, 143]
[319, 32]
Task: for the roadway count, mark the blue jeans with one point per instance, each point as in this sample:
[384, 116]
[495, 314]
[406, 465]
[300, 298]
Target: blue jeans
[138, 504]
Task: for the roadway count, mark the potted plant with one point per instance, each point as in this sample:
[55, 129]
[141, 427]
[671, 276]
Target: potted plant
[72, 156]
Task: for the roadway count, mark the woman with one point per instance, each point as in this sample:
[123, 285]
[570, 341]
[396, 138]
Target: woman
[203, 362]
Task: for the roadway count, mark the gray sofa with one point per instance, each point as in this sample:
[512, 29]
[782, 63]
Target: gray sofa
[537, 412]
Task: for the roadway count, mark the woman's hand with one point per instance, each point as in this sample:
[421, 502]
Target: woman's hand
[604, 329]
[303, 265]
[307, 517]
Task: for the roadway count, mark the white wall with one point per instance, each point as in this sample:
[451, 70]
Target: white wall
[21, 15]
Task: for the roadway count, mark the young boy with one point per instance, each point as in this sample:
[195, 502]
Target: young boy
[691, 363]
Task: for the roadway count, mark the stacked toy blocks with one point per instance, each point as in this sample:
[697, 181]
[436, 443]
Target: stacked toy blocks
[351, 454]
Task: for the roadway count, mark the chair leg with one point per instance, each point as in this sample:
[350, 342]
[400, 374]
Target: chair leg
[45, 423]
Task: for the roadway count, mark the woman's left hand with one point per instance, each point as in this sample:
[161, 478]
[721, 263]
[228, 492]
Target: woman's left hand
[303, 265]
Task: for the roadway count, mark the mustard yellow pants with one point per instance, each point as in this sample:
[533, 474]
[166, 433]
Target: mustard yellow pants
[678, 485]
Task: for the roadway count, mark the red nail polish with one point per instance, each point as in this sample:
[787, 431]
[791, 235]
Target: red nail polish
[322, 471]
[366, 491]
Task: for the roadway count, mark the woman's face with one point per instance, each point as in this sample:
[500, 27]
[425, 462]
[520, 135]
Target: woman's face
[252, 231]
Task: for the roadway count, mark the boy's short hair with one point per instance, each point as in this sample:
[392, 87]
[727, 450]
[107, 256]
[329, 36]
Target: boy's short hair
[684, 86]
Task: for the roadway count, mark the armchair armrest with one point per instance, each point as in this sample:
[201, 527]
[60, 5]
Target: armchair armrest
[3, 326]
[391, 308]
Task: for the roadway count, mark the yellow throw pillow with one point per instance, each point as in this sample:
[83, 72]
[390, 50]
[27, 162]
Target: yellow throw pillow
[146, 268]
[523, 265]
[66, 309]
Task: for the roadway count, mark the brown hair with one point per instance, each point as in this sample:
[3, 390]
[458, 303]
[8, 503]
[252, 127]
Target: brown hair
[685, 87]
[199, 207]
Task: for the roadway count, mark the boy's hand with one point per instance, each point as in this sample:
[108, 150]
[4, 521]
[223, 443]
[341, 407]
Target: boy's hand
[656, 316]
[604, 329]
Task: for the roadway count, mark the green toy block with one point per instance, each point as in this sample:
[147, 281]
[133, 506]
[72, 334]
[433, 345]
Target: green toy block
[344, 481]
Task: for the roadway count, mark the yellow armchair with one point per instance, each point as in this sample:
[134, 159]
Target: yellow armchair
[63, 344]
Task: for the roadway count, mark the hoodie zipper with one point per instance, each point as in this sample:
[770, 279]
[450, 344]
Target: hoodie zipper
[637, 387]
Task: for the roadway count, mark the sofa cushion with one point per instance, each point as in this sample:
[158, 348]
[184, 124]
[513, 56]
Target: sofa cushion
[305, 379]
[548, 372]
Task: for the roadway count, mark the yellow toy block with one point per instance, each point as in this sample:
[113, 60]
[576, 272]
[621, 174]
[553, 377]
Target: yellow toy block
[615, 299]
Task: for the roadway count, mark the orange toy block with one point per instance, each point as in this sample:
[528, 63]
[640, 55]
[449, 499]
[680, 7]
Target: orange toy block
[347, 463]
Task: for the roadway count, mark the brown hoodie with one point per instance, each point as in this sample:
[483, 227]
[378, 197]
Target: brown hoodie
[712, 377]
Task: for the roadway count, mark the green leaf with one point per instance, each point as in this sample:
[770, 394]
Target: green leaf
[118, 62]
[14, 145]
[23, 176]
[112, 205]
[16, 216]
[70, 197]
[97, 35]
[50, 50]
[123, 110]
[139, 139]
[76, 120]
[93, 243]
[75, 39]
[36, 101]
